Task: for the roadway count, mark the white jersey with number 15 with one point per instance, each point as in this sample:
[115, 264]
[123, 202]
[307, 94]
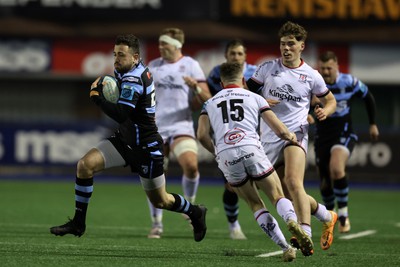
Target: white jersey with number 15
[234, 115]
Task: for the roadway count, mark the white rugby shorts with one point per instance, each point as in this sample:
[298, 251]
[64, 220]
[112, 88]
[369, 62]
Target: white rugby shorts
[182, 128]
[274, 151]
[239, 164]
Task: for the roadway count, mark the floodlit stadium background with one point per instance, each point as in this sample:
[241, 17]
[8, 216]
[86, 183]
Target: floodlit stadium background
[50, 52]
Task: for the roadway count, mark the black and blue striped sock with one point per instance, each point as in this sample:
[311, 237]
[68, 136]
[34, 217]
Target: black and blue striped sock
[83, 192]
[231, 205]
[341, 189]
[181, 205]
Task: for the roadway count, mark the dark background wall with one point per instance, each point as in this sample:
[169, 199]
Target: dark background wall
[43, 88]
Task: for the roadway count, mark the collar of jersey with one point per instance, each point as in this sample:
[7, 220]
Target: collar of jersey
[231, 86]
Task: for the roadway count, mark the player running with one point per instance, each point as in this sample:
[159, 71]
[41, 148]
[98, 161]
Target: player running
[233, 115]
[136, 143]
[288, 84]
[335, 138]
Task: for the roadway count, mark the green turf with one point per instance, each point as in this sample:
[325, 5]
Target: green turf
[118, 223]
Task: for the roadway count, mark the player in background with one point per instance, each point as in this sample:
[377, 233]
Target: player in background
[136, 143]
[235, 51]
[181, 88]
[233, 114]
[335, 137]
[288, 84]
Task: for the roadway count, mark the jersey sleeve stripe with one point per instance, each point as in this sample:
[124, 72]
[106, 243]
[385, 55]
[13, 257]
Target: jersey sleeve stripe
[324, 94]
[126, 103]
[263, 109]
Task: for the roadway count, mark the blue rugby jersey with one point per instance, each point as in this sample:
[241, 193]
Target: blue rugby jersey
[345, 89]
[137, 97]
[214, 78]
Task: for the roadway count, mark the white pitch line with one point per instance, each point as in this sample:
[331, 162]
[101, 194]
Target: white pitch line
[397, 224]
[346, 237]
[270, 254]
[357, 235]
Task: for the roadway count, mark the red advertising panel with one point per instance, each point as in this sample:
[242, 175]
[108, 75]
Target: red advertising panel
[342, 53]
[89, 57]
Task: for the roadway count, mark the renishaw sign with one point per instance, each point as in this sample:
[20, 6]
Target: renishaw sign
[317, 9]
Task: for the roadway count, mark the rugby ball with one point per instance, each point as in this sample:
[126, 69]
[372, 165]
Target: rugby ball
[110, 89]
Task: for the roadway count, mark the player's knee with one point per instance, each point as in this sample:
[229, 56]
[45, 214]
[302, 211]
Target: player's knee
[85, 166]
[191, 170]
[337, 174]
[292, 184]
[187, 144]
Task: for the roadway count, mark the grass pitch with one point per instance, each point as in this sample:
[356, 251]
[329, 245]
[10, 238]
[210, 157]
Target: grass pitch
[118, 222]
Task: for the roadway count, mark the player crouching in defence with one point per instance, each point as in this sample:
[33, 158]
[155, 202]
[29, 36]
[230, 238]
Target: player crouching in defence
[233, 115]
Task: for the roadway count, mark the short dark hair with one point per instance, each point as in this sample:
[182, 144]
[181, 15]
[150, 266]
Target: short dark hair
[130, 40]
[290, 28]
[328, 55]
[234, 43]
[231, 71]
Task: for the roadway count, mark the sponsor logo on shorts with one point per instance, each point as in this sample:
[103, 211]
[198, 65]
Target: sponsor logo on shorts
[145, 169]
[235, 161]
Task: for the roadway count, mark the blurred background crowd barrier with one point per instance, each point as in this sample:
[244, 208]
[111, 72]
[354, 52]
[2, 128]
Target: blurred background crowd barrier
[51, 51]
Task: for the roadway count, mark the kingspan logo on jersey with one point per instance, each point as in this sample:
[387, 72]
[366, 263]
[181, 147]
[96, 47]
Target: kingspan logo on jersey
[169, 83]
[284, 93]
